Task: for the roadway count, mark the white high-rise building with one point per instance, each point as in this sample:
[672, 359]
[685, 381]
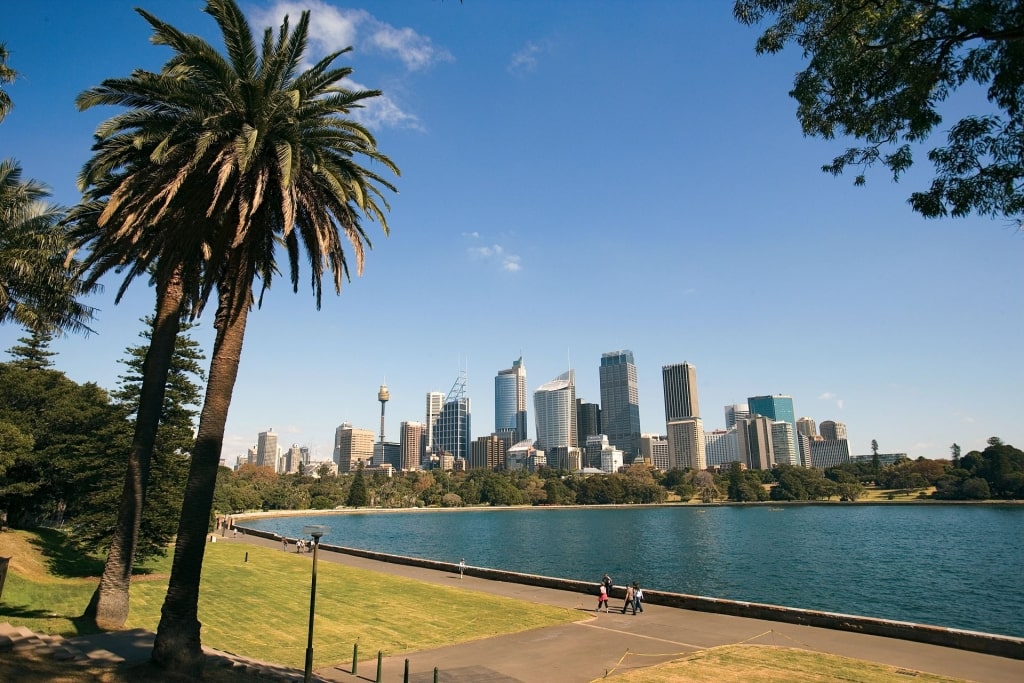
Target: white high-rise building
[435, 404]
[654, 449]
[721, 447]
[555, 406]
[686, 444]
[784, 444]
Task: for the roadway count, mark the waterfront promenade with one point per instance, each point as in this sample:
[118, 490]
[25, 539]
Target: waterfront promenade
[598, 643]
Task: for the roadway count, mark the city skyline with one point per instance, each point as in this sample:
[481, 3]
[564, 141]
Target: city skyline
[895, 325]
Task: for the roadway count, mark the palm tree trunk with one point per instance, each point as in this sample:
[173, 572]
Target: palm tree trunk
[177, 647]
[108, 608]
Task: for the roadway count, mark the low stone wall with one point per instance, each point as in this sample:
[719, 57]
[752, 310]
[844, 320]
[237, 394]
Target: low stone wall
[986, 643]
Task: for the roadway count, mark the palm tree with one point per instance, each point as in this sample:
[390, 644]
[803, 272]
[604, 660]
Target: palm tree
[7, 75]
[38, 279]
[244, 154]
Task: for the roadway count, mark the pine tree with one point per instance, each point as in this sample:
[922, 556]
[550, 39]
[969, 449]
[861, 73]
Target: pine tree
[94, 526]
[33, 352]
[357, 495]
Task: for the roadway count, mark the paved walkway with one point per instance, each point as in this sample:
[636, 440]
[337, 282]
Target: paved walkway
[599, 642]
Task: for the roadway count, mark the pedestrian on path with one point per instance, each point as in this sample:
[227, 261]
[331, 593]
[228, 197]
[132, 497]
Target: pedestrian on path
[606, 581]
[602, 597]
[638, 596]
[628, 601]
[284, 541]
[462, 567]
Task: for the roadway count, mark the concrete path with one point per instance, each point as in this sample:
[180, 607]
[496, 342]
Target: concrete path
[599, 643]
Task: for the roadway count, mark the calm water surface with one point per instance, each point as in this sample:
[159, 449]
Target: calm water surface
[959, 565]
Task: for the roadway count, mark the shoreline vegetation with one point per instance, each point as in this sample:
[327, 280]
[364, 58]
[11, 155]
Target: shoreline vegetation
[341, 510]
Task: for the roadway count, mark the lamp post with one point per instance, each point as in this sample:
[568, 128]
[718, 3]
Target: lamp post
[316, 531]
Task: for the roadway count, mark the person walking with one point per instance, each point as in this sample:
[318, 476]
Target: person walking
[638, 596]
[462, 567]
[284, 541]
[606, 581]
[629, 601]
[602, 597]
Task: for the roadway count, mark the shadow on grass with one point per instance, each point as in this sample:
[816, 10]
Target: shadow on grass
[82, 626]
[62, 558]
[66, 561]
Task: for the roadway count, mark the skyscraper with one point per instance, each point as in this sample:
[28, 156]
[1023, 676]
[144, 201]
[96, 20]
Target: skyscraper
[352, 447]
[588, 420]
[754, 441]
[734, 413]
[686, 447]
[778, 407]
[266, 449]
[721, 447]
[620, 402]
[488, 452]
[452, 428]
[510, 401]
[833, 431]
[554, 404]
[654, 449]
[435, 402]
[679, 383]
[806, 427]
[413, 442]
[784, 443]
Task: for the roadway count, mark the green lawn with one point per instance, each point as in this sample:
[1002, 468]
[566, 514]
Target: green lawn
[260, 608]
[762, 664]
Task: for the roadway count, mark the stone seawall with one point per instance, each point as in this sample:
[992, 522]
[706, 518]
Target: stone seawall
[987, 643]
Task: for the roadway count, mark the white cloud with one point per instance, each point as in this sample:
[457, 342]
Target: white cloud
[494, 253]
[415, 51]
[840, 403]
[827, 396]
[383, 112]
[332, 28]
[526, 59]
[474, 234]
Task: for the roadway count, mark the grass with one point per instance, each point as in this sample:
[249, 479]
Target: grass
[254, 602]
[875, 494]
[765, 664]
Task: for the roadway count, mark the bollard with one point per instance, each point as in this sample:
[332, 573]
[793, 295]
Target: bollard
[355, 658]
[380, 664]
[405, 678]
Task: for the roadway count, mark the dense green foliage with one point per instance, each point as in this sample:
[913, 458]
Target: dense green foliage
[882, 72]
[94, 526]
[63, 445]
[996, 472]
[59, 431]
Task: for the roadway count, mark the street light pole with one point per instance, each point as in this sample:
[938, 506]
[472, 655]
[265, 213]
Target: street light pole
[316, 531]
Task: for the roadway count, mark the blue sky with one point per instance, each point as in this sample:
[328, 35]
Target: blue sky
[577, 177]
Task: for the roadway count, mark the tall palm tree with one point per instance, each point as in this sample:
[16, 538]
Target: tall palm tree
[39, 288]
[247, 156]
[7, 75]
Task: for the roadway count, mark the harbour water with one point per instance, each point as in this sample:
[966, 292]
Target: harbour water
[959, 566]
